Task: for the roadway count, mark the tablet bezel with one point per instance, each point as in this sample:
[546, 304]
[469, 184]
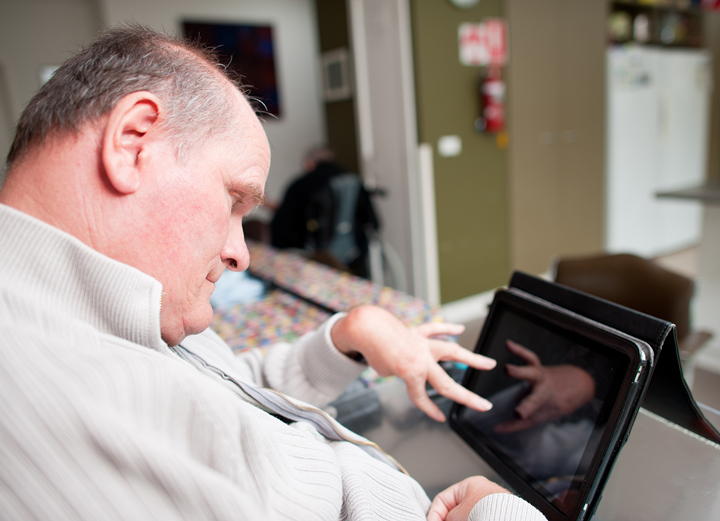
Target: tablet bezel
[620, 418]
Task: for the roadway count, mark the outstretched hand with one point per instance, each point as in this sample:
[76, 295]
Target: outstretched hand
[411, 354]
[557, 390]
[456, 502]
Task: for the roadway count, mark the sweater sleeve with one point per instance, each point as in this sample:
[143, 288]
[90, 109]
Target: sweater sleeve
[310, 369]
[504, 507]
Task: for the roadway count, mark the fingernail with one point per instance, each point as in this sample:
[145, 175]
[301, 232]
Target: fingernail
[482, 404]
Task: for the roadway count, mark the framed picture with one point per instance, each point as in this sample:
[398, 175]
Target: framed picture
[336, 75]
[246, 49]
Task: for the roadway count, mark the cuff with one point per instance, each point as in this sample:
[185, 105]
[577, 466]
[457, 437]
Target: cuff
[329, 370]
[504, 507]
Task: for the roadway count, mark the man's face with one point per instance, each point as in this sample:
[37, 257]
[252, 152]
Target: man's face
[197, 212]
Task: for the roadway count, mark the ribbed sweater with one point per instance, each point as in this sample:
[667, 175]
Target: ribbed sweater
[100, 419]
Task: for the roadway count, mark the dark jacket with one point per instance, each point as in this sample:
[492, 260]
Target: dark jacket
[306, 217]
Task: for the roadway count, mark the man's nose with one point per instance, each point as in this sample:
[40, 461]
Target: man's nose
[235, 254]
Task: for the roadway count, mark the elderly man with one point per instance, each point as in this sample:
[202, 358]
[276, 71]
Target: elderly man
[127, 181]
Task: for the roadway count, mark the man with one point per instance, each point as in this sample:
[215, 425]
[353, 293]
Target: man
[127, 181]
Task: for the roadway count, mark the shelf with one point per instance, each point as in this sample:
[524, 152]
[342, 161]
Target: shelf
[668, 24]
[684, 6]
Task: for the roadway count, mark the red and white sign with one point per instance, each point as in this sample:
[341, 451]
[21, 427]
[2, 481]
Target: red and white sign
[711, 5]
[484, 43]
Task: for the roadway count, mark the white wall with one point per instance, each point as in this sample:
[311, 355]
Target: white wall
[385, 103]
[34, 33]
[296, 58]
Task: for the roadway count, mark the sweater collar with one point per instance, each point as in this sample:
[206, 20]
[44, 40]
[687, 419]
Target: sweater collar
[60, 272]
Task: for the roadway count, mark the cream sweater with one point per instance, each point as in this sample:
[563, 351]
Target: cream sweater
[99, 419]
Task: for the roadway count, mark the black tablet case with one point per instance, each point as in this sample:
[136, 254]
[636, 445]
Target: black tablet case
[667, 395]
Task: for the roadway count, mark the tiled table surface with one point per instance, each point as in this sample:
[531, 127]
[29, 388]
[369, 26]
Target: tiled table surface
[282, 316]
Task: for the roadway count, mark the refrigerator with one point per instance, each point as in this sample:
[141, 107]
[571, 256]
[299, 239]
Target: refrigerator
[658, 108]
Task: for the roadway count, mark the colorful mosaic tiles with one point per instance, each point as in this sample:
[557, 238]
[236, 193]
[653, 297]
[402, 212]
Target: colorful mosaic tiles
[281, 316]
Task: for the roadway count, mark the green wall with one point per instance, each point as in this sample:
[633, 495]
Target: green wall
[471, 189]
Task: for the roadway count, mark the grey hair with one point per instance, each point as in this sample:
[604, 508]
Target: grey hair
[193, 88]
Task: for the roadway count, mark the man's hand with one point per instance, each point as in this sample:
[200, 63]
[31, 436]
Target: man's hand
[456, 502]
[391, 348]
[557, 390]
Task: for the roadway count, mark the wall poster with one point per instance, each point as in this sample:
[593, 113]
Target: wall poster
[248, 50]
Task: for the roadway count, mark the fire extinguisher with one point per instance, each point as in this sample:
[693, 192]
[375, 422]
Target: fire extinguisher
[491, 92]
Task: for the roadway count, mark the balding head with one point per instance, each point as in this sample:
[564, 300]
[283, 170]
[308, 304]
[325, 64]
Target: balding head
[108, 151]
[191, 85]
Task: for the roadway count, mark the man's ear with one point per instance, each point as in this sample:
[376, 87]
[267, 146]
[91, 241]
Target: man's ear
[132, 124]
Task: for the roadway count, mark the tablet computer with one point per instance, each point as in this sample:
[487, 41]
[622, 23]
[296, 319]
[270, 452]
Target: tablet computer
[565, 393]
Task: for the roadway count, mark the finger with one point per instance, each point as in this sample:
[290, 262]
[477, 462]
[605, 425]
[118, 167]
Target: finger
[457, 501]
[524, 372]
[528, 356]
[438, 509]
[449, 351]
[439, 328]
[449, 388]
[418, 395]
[443, 503]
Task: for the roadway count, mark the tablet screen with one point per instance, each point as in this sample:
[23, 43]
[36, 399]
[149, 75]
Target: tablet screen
[552, 392]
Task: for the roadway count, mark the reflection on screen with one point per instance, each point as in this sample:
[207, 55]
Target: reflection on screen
[548, 393]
